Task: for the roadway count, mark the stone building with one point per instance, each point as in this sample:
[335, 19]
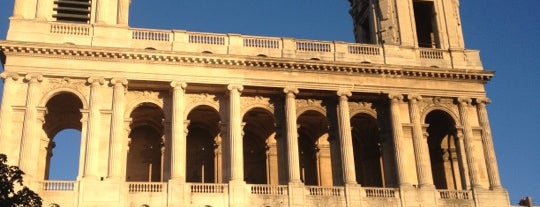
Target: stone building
[180, 118]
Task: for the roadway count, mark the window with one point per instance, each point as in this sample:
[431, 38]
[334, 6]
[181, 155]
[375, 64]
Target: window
[77, 11]
[426, 24]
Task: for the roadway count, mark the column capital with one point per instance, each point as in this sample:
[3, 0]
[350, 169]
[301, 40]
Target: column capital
[96, 80]
[237, 87]
[344, 93]
[464, 100]
[9, 75]
[483, 100]
[180, 84]
[290, 90]
[119, 81]
[33, 77]
[395, 97]
[414, 97]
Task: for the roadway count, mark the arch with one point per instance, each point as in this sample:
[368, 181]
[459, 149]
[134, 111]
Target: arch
[63, 112]
[445, 109]
[303, 110]
[266, 107]
[444, 150]
[367, 150]
[146, 154]
[259, 167]
[315, 155]
[57, 91]
[371, 113]
[138, 102]
[203, 156]
[191, 108]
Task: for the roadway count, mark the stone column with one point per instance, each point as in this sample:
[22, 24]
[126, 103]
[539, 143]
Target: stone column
[116, 147]
[463, 105]
[18, 8]
[292, 135]
[178, 160]
[123, 12]
[92, 137]
[6, 111]
[43, 9]
[421, 149]
[101, 11]
[235, 133]
[26, 161]
[487, 141]
[397, 132]
[345, 138]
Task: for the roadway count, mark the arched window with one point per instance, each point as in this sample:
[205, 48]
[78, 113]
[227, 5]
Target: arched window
[367, 151]
[260, 167]
[314, 149]
[444, 151]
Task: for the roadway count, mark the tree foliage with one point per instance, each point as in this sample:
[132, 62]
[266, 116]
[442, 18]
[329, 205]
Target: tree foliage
[11, 179]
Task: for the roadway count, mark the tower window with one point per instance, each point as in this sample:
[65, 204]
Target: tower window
[426, 24]
[77, 11]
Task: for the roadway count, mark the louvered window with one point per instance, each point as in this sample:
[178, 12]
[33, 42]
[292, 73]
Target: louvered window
[72, 10]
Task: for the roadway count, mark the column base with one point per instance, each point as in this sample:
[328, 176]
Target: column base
[296, 194]
[237, 193]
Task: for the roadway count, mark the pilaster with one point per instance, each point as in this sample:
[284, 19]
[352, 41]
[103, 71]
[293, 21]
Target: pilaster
[28, 146]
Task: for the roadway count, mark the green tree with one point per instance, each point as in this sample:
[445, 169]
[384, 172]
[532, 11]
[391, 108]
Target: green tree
[11, 177]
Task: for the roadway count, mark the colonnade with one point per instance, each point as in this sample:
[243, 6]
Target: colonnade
[235, 128]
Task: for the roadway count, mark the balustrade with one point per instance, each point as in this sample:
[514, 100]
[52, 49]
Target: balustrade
[150, 35]
[381, 192]
[455, 194]
[208, 188]
[269, 189]
[431, 54]
[325, 191]
[313, 46]
[261, 43]
[145, 187]
[209, 39]
[364, 50]
[70, 29]
[58, 185]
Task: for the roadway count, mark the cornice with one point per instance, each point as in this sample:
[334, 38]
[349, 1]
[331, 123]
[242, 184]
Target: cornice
[235, 61]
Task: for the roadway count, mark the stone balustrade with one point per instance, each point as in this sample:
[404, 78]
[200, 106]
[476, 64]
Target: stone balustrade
[208, 188]
[268, 189]
[455, 194]
[56, 185]
[325, 191]
[145, 187]
[382, 192]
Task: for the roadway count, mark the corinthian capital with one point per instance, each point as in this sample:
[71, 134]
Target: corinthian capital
[10, 75]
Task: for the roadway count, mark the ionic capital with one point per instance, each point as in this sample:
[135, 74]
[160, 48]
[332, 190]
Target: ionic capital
[414, 97]
[395, 97]
[344, 93]
[33, 77]
[178, 84]
[119, 81]
[483, 100]
[236, 87]
[10, 75]
[290, 90]
[464, 100]
[96, 80]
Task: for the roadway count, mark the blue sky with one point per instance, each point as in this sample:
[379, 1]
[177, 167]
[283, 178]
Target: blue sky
[506, 33]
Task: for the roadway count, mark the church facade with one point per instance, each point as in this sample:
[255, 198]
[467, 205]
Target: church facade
[181, 118]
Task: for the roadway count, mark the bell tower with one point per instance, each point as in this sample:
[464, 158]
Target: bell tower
[408, 23]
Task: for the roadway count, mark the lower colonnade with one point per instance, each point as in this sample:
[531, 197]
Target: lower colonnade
[239, 145]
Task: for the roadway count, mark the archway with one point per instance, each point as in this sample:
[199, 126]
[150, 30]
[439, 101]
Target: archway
[203, 164]
[367, 150]
[314, 149]
[60, 149]
[444, 150]
[146, 144]
[260, 164]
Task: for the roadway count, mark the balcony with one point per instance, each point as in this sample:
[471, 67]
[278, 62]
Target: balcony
[243, 45]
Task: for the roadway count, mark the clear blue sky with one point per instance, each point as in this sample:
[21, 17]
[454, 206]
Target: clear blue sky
[506, 33]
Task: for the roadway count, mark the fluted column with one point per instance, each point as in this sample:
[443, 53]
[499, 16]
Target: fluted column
[101, 11]
[123, 11]
[117, 129]
[18, 8]
[92, 136]
[421, 150]
[235, 133]
[5, 109]
[292, 135]
[43, 9]
[397, 132]
[178, 160]
[26, 161]
[463, 105]
[345, 138]
[487, 141]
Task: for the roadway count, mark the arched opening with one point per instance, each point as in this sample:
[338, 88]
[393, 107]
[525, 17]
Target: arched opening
[314, 149]
[60, 149]
[260, 150]
[203, 164]
[146, 144]
[367, 148]
[444, 150]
